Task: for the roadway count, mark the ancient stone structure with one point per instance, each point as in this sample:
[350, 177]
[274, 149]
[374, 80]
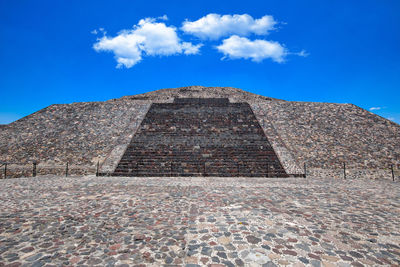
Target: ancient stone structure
[323, 136]
[200, 137]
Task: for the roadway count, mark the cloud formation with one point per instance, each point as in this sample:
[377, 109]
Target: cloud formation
[236, 47]
[375, 108]
[215, 26]
[147, 38]
[152, 37]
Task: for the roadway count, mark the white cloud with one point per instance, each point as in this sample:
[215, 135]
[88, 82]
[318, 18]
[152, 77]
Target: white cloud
[148, 38]
[375, 108]
[215, 26]
[97, 31]
[302, 53]
[236, 47]
[164, 17]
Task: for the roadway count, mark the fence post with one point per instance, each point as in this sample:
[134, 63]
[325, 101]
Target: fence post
[238, 169]
[34, 170]
[5, 170]
[267, 170]
[392, 172]
[66, 170]
[204, 174]
[97, 169]
[305, 170]
[344, 170]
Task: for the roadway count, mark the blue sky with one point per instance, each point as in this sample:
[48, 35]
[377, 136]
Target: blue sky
[48, 52]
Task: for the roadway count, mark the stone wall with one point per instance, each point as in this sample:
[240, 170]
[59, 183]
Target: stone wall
[353, 173]
[26, 170]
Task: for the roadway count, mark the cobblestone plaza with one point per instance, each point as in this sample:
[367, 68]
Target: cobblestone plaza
[198, 221]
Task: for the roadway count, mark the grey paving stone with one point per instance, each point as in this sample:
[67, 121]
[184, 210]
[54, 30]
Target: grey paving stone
[106, 221]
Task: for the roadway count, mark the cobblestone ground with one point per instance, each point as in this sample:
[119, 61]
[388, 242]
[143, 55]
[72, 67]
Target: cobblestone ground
[90, 221]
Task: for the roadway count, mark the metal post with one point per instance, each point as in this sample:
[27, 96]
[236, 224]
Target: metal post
[268, 170]
[5, 170]
[238, 169]
[204, 166]
[34, 170]
[392, 172]
[344, 170]
[97, 169]
[66, 170]
[305, 170]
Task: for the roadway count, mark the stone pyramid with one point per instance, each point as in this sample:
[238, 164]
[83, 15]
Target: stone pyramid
[275, 137]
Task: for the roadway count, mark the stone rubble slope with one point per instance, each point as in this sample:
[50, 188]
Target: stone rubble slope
[78, 133]
[326, 134]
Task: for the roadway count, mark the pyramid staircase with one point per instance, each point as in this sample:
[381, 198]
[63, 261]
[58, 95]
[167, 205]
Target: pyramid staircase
[200, 137]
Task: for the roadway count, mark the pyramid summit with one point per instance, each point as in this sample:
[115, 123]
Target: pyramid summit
[203, 131]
